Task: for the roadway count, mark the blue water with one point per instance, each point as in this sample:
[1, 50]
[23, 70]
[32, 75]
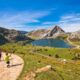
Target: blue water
[52, 43]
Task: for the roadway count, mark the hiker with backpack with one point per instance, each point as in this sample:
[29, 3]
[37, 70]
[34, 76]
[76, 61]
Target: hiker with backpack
[7, 59]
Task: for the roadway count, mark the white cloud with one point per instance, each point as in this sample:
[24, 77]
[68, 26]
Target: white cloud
[70, 27]
[31, 28]
[17, 20]
[70, 22]
[70, 18]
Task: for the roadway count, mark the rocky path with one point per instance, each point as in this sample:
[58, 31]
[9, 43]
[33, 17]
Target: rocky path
[15, 68]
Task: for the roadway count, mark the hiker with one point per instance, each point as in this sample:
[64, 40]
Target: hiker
[0, 54]
[7, 59]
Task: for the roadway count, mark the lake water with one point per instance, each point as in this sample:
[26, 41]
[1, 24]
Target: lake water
[52, 43]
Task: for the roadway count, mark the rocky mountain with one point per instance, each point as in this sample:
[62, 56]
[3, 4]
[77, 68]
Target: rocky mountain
[44, 33]
[11, 35]
[38, 34]
[75, 35]
[55, 32]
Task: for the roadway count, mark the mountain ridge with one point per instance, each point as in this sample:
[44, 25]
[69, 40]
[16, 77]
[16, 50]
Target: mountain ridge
[47, 33]
[55, 32]
[11, 35]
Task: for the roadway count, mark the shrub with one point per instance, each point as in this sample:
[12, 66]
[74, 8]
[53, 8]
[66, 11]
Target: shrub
[50, 55]
[56, 56]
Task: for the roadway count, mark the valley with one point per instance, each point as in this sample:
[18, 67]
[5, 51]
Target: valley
[39, 39]
[64, 61]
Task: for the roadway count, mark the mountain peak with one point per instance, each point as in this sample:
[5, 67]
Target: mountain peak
[57, 28]
[56, 31]
[43, 33]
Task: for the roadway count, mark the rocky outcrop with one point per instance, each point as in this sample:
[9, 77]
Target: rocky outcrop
[55, 32]
[75, 35]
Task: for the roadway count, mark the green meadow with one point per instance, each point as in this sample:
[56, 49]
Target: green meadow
[76, 42]
[37, 57]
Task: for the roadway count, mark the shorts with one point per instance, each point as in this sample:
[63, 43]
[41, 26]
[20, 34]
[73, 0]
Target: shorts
[8, 62]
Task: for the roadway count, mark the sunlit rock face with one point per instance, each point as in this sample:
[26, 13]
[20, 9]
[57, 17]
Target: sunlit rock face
[45, 33]
[55, 32]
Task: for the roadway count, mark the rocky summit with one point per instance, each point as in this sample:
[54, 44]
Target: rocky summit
[56, 31]
[46, 33]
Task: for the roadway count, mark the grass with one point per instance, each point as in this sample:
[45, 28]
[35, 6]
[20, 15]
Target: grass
[34, 37]
[76, 42]
[37, 57]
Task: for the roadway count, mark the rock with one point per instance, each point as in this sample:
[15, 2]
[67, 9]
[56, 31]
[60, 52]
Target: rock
[43, 69]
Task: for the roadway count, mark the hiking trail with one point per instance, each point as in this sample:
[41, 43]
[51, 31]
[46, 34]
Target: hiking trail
[11, 73]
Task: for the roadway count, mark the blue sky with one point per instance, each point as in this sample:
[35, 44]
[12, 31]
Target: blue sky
[31, 15]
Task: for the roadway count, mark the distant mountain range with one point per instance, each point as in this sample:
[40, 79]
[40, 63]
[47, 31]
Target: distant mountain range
[23, 32]
[55, 32]
[7, 35]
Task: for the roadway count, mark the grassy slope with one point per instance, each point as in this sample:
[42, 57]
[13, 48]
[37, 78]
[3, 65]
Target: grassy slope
[33, 60]
[34, 37]
[76, 42]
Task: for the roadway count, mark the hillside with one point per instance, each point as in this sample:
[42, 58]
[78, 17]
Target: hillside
[11, 35]
[47, 33]
[65, 63]
[3, 40]
[38, 34]
[75, 36]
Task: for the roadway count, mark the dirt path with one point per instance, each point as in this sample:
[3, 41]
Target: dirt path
[15, 69]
